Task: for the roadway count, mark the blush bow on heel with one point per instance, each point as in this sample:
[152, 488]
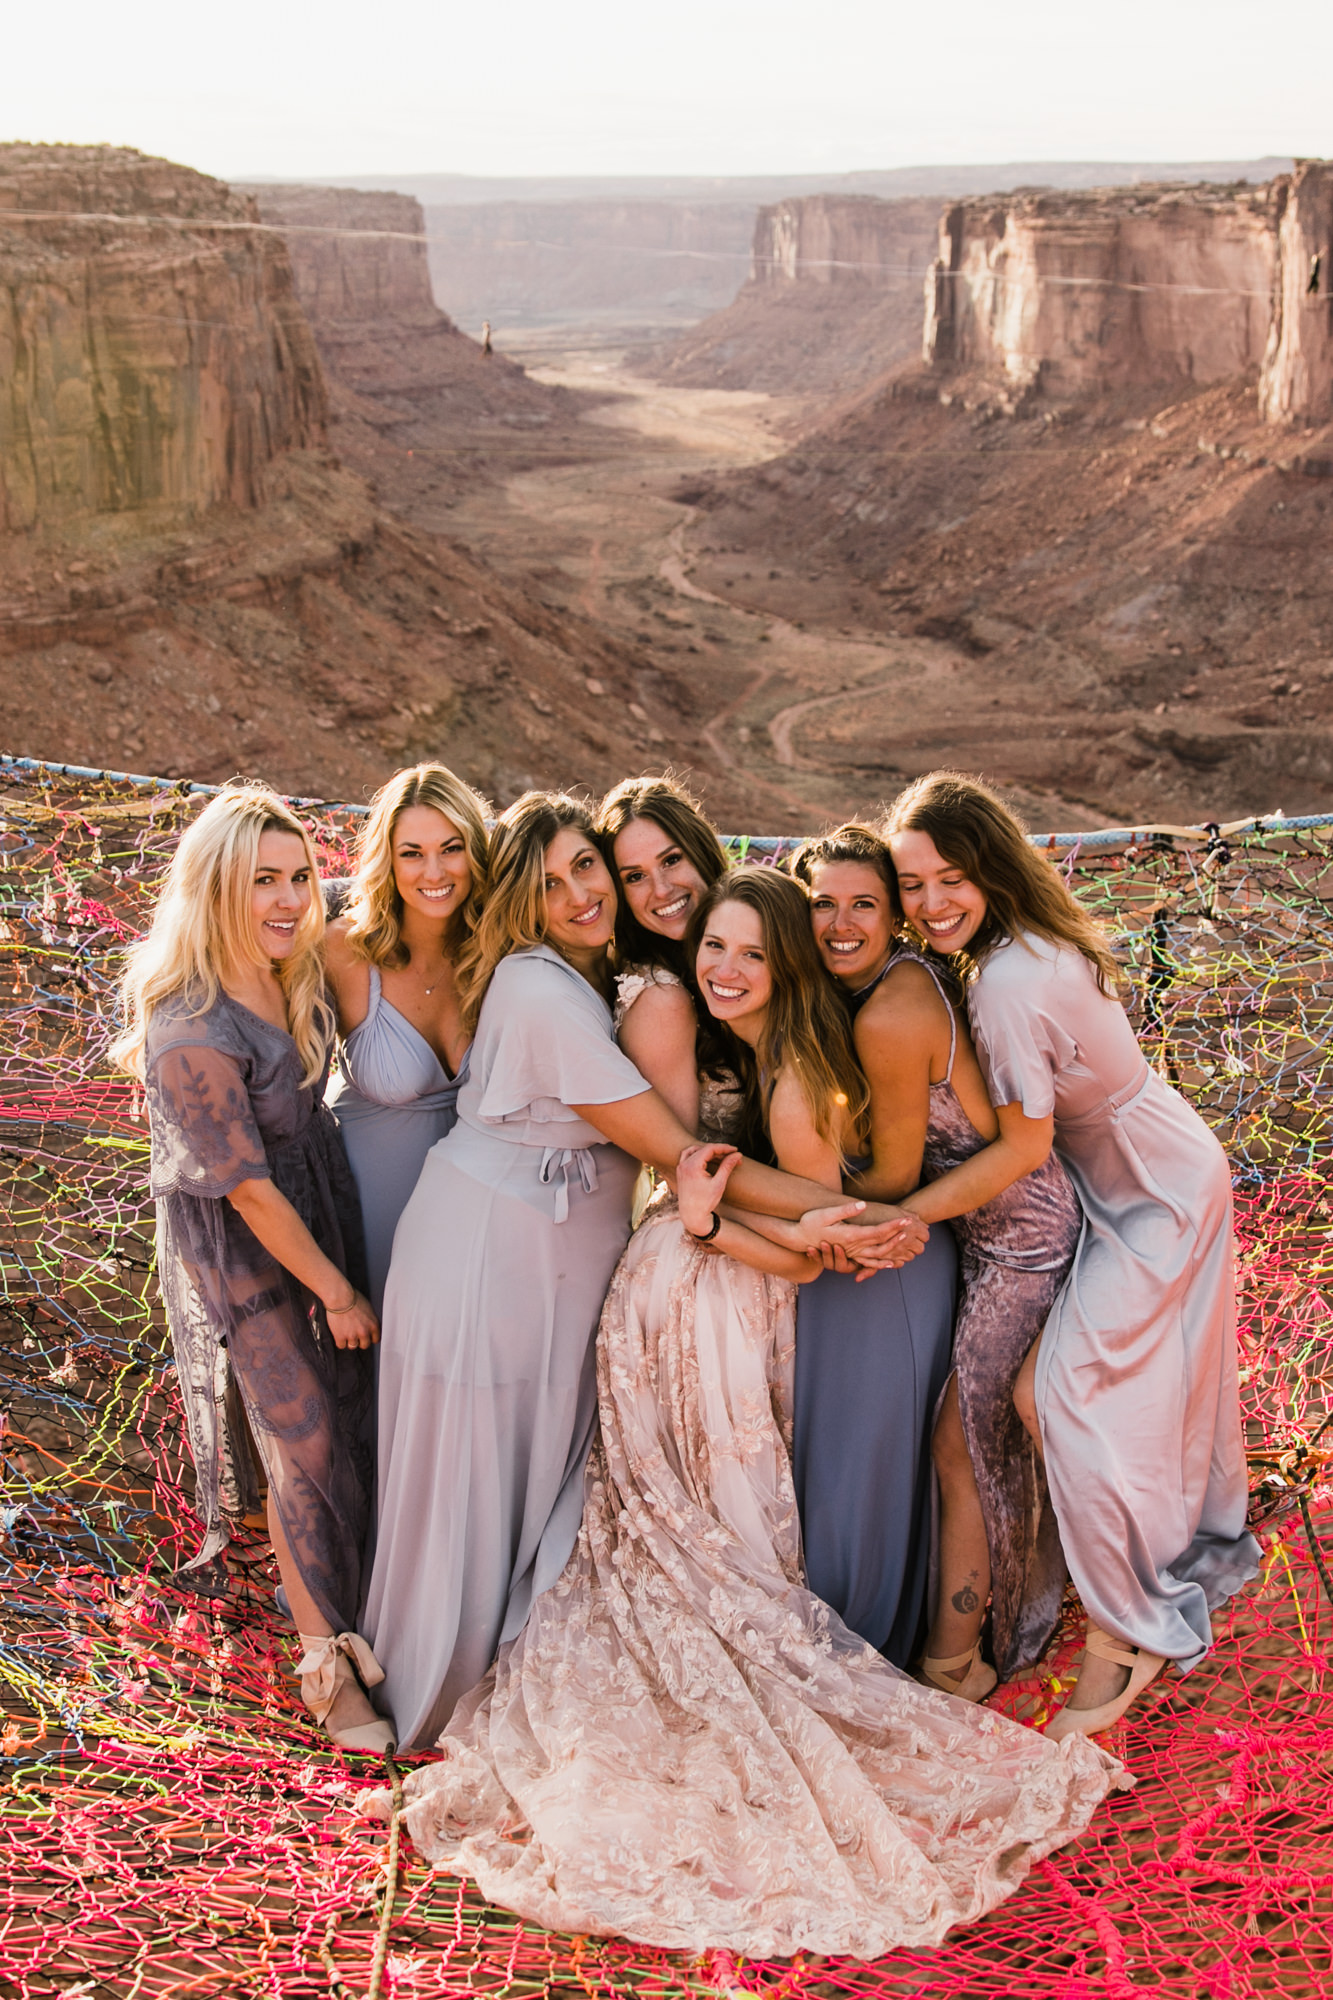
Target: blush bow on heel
[336, 1668]
[1143, 1667]
[975, 1684]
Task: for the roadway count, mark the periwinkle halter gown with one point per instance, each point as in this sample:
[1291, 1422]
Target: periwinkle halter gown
[872, 1360]
[393, 1099]
[1136, 1382]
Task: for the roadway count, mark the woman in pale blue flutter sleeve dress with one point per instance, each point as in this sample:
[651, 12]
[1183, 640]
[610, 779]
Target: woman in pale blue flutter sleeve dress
[1132, 1388]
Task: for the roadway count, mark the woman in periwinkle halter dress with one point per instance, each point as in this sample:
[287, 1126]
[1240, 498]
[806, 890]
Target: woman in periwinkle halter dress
[391, 959]
[928, 1111]
[1132, 1389]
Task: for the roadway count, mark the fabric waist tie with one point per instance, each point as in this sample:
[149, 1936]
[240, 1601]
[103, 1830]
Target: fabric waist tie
[1115, 1103]
[561, 1164]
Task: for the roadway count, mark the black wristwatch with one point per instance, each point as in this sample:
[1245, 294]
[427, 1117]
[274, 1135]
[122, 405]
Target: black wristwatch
[717, 1224]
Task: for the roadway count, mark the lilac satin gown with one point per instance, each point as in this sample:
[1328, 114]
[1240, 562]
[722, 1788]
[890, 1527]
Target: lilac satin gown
[393, 1099]
[1136, 1383]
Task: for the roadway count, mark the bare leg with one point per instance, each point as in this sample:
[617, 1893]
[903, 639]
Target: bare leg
[1099, 1680]
[964, 1556]
[305, 1617]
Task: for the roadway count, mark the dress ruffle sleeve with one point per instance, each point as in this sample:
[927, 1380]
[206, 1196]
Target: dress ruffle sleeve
[205, 1138]
[1021, 1047]
[544, 1043]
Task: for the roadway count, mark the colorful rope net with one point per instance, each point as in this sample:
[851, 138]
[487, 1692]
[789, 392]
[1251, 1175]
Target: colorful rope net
[172, 1824]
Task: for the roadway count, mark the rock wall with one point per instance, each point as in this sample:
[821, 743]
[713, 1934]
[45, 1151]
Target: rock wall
[845, 240]
[152, 351]
[1297, 378]
[1105, 290]
[569, 262]
[355, 257]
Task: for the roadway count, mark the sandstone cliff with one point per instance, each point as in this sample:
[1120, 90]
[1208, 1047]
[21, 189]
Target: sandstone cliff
[1089, 292]
[1297, 378]
[833, 299]
[152, 352]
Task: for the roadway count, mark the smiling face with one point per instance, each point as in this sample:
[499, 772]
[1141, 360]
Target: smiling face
[731, 966]
[852, 919]
[938, 900]
[659, 882]
[280, 892]
[431, 869]
[580, 896]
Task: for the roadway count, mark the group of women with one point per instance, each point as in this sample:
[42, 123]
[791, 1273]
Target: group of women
[787, 1277]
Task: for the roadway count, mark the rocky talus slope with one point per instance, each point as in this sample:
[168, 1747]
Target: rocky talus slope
[833, 300]
[190, 580]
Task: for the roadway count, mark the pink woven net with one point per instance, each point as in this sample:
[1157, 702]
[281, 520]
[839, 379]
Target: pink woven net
[170, 1822]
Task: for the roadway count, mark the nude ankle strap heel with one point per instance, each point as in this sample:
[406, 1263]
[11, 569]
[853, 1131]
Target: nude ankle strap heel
[336, 1668]
[1143, 1667]
[975, 1684]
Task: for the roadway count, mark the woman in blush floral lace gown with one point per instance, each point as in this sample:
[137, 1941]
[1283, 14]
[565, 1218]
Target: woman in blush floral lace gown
[683, 1746]
[259, 1232]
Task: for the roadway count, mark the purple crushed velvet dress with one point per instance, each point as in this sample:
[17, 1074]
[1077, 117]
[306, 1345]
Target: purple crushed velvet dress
[226, 1105]
[1014, 1255]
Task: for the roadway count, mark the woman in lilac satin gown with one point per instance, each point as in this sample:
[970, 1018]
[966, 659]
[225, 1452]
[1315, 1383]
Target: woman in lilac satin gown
[1132, 1389]
[415, 896]
[683, 1746]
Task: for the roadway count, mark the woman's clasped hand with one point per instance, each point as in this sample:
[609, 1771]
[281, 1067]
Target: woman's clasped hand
[716, 1313]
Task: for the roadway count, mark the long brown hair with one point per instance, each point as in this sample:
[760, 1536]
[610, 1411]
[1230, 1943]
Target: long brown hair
[513, 910]
[976, 833]
[807, 1026]
[375, 909]
[681, 818]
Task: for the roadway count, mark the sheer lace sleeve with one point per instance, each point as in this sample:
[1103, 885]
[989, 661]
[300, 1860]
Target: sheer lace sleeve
[204, 1136]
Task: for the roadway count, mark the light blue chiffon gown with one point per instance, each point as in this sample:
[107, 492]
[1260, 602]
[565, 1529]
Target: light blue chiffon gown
[393, 1099]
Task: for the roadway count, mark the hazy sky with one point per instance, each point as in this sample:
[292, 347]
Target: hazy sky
[697, 86]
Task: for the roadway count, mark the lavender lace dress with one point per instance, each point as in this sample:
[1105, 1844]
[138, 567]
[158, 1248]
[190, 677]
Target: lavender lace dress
[684, 1746]
[1014, 1255]
[226, 1105]
[1136, 1384]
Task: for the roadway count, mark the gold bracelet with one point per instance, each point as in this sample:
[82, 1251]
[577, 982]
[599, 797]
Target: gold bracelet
[344, 1309]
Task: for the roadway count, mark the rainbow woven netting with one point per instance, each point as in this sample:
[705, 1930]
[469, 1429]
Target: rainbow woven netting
[173, 1825]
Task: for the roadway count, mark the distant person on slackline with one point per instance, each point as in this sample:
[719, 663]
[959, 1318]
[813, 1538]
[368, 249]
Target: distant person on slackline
[259, 1231]
[486, 336]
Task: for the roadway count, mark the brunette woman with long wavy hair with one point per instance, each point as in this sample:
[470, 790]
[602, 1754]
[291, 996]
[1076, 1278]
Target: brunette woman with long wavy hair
[1131, 1391]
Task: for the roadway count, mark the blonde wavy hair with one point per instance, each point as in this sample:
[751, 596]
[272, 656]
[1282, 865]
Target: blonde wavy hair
[807, 1025]
[375, 908]
[202, 929]
[513, 910]
[975, 832]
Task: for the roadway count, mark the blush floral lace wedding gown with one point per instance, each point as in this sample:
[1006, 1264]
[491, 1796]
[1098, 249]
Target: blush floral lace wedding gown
[683, 1746]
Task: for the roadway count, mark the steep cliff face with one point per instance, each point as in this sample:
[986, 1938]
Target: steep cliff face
[833, 299]
[1297, 379]
[416, 405]
[552, 262]
[152, 351]
[1106, 290]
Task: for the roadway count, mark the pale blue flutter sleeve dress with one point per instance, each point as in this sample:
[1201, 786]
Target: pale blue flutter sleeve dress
[1136, 1383]
[487, 1392]
[393, 1099]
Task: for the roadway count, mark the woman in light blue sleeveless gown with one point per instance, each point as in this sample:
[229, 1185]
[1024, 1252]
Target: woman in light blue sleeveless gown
[414, 902]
